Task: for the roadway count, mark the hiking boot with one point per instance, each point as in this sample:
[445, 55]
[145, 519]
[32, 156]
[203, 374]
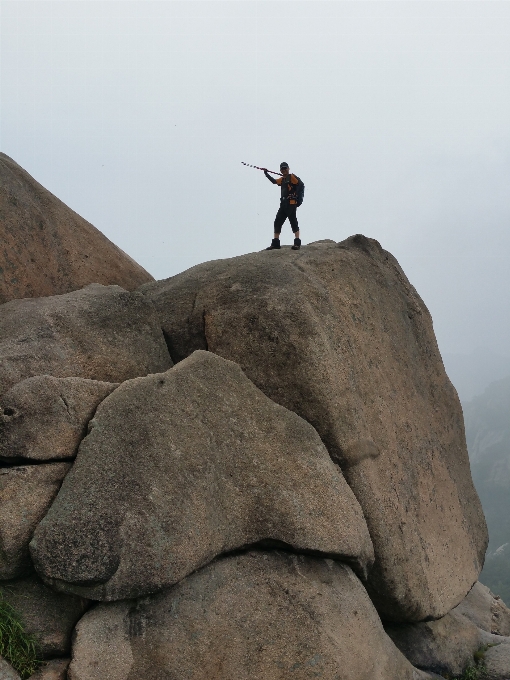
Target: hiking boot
[275, 244]
[297, 244]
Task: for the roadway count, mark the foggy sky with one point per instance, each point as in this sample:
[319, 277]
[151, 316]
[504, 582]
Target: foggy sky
[396, 115]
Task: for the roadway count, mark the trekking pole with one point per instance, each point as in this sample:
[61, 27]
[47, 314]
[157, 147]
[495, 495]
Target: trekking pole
[257, 167]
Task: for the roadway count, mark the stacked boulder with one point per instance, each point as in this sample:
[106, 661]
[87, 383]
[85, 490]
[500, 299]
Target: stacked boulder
[255, 469]
[60, 356]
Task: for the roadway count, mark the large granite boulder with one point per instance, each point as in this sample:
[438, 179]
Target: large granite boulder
[47, 616]
[446, 646]
[99, 332]
[485, 610]
[45, 418]
[47, 249]
[497, 661]
[182, 466]
[253, 616]
[336, 333]
[26, 493]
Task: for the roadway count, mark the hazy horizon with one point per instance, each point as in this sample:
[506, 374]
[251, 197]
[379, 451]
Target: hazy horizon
[395, 115]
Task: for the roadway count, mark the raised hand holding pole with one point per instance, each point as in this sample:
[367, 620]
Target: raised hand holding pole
[264, 169]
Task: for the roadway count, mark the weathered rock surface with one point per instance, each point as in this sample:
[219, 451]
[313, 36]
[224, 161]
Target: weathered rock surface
[47, 249]
[254, 616]
[182, 466]
[485, 610]
[500, 617]
[337, 334]
[45, 418]
[99, 332]
[56, 669]
[26, 493]
[445, 646]
[49, 616]
[497, 662]
[7, 672]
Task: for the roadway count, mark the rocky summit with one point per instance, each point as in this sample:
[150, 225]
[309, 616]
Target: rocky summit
[254, 469]
[337, 334]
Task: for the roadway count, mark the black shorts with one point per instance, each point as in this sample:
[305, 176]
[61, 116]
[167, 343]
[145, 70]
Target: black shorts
[286, 211]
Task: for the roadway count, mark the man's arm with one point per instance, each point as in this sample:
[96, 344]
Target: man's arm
[269, 176]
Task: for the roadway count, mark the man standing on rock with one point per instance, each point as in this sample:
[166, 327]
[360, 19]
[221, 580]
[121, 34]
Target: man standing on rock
[291, 198]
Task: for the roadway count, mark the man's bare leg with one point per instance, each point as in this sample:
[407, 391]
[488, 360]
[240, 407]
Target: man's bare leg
[296, 235]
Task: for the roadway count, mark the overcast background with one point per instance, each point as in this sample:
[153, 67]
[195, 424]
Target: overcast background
[396, 115]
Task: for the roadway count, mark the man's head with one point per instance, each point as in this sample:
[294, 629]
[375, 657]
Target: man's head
[284, 168]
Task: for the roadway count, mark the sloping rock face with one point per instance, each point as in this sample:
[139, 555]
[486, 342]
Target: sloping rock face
[485, 610]
[45, 418]
[47, 249]
[337, 334]
[446, 646]
[26, 493]
[48, 616]
[100, 333]
[182, 466]
[255, 616]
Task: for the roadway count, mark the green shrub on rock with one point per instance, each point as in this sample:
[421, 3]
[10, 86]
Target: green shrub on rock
[478, 671]
[16, 646]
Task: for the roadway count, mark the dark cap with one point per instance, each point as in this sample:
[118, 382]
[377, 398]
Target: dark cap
[284, 165]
